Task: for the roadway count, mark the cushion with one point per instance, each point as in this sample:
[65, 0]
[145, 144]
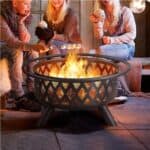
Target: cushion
[133, 77]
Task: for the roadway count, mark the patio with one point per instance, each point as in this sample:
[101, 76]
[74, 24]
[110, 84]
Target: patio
[80, 131]
[86, 130]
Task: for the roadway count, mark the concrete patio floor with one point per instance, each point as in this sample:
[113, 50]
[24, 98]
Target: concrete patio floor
[79, 131]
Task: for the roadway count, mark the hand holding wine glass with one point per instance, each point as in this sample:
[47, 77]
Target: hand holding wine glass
[97, 16]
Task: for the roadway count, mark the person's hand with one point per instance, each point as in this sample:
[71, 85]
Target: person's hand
[39, 48]
[97, 16]
[106, 40]
[54, 50]
[100, 15]
[93, 18]
[22, 18]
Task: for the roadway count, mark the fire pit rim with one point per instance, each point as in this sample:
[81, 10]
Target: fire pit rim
[50, 78]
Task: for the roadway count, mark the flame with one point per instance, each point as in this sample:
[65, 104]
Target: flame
[74, 67]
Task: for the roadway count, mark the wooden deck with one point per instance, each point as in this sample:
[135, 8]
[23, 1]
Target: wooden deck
[81, 130]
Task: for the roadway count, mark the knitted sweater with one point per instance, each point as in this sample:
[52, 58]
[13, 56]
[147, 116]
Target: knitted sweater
[125, 31]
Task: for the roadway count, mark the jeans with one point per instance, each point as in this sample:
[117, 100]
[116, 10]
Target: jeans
[121, 51]
[29, 68]
[15, 59]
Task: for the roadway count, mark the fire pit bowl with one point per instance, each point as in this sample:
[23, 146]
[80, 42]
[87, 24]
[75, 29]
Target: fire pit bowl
[76, 93]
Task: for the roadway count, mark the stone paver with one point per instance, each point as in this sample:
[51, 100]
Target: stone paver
[134, 114]
[29, 140]
[101, 140]
[84, 130]
[143, 136]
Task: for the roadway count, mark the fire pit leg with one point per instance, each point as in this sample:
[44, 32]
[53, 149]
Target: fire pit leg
[107, 115]
[46, 112]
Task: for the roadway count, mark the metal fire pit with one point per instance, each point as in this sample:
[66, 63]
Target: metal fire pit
[76, 94]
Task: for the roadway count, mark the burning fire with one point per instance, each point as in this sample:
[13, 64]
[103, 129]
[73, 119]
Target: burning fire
[74, 67]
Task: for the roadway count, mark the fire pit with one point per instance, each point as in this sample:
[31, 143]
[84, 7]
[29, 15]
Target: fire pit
[76, 93]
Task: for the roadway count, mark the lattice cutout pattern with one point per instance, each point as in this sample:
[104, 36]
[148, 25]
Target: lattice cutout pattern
[83, 95]
[76, 94]
[103, 67]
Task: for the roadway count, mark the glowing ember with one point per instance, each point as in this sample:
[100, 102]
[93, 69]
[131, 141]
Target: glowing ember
[74, 67]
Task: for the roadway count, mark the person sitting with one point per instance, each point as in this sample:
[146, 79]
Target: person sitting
[115, 26]
[14, 41]
[62, 19]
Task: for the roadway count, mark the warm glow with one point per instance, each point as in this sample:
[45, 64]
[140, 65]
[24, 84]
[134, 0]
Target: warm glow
[74, 67]
[138, 6]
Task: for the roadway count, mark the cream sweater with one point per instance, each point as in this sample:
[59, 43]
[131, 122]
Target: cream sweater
[125, 32]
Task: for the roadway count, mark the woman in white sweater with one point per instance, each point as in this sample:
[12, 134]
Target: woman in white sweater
[115, 26]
